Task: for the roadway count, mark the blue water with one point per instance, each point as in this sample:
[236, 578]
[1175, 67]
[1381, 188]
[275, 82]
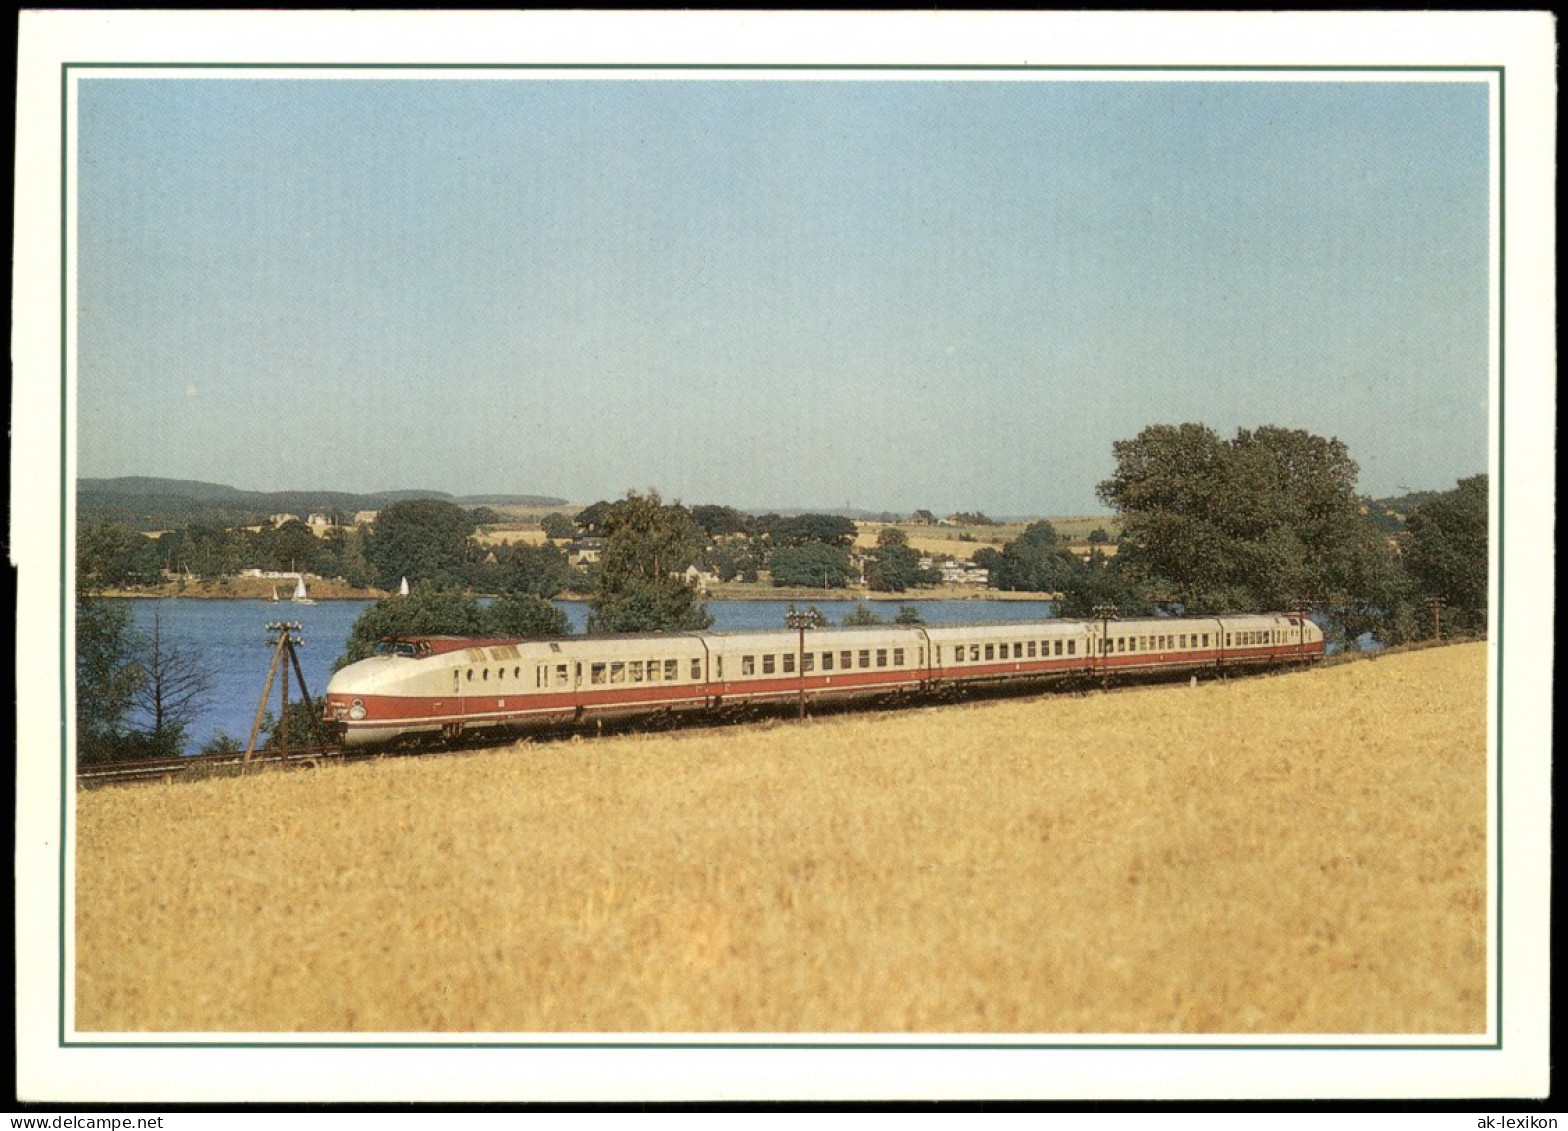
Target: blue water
[230, 638]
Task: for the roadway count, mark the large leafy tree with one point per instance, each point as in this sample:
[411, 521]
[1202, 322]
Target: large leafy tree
[1033, 562]
[422, 540]
[539, 570]
[801, 529]
[1446, 552]
[639, 587]
[814, 564]
[894, 568]
[110, 554]
[1267, 520]
[290, 546]
[428, 611]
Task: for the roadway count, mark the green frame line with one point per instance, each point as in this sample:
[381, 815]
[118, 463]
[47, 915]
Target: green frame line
[67, 790]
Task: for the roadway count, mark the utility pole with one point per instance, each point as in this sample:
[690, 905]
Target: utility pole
[1105, 614]
[284, 638]
[1437, 604]
[802, 619]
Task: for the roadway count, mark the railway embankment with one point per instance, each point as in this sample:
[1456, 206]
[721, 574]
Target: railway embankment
[1302, 853]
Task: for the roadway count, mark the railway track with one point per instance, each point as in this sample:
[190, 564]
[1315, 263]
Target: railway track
[206, 765]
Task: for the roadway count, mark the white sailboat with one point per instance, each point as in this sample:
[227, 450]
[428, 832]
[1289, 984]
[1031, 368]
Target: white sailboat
[274, 594]
[300, 596]
[402, 589]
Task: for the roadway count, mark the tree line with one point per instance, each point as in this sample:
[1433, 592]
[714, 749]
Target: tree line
[1268, 520]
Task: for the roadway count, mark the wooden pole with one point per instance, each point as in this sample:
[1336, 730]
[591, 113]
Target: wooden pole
[315, 716]
[261, 707]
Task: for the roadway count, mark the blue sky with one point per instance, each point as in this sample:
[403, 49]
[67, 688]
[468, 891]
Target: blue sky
[891, 295]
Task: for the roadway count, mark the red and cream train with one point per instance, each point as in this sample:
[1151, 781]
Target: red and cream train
[448, 686]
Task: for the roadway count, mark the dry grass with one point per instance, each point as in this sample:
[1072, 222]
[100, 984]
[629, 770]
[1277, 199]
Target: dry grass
[1300, 854]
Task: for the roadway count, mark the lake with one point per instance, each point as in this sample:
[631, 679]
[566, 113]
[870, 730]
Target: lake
[231, 638]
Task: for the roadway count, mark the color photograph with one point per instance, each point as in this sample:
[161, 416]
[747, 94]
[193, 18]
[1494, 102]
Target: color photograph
[574, 548]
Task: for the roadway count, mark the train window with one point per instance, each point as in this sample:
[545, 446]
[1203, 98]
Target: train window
[500, 673]
[596, 673]
[827, 661]
[865, 657]
[881, 657]
[1121, 644]
[1072, 647]
[718, 667]
[898, 657]
[1031, 649]
[696, 669]
[808, 661]
[748, 665]
[517, 673]
[922, 660]
[1205, 640]
[1018, 650]
[671, 671]
[561, 678]
[789, 662]
[990, 651]
[767, 665]
[653, 671]
[617, 672]
[846, 659]
[635, 668]
[470, 673]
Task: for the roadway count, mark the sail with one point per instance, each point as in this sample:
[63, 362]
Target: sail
[299, 590]
[402, 589]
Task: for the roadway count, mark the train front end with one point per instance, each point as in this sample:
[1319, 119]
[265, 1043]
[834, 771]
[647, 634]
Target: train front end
[375, 701]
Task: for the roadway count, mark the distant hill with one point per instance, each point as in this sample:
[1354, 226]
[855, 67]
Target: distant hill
[149, 503]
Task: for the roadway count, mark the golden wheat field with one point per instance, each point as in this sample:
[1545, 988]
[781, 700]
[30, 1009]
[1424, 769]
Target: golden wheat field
[1298, 853]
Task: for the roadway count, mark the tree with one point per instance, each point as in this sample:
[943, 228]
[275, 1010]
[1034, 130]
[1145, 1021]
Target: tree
[639, 587]
[800, 529]
[485, 516]
[1033, 562]
[1103, 582]
[720, 522]
[813, 564]
[428, 611]
[972, 518]
[1098, 536]
[291, 546]
[524, 614]
[908, 614]
[420, 539]
[733, 560]
[591, 520]
[1265, 521]
[107, 675]
[110, 555]
[891, 536]
[558, 527]
[1447, 552]
[894, 568]
[172, 685]
[861, 616]
[539, 570]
